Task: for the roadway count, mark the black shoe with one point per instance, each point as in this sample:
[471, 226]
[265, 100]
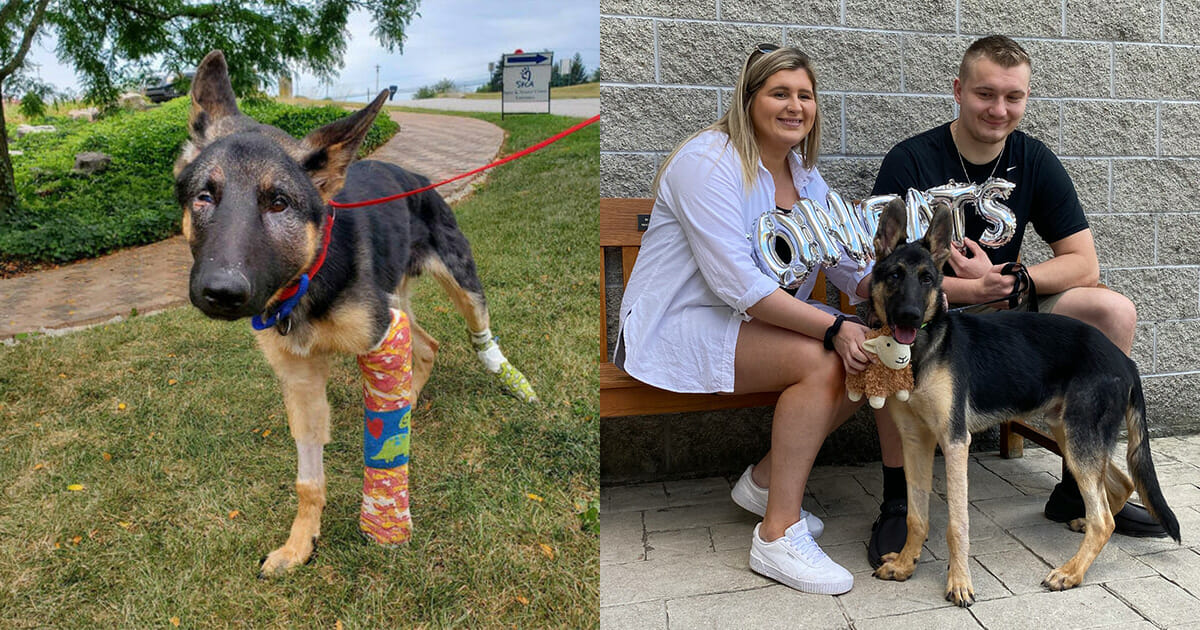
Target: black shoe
[889, 531]
[1133, 520]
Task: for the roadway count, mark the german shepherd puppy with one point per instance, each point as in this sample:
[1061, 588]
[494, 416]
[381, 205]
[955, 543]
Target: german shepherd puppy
[974, 371]
[255, 209]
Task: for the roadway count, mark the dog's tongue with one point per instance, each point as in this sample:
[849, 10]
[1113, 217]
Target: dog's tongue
[905, 334]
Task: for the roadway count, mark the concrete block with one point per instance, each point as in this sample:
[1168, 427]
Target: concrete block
[1087, 606]
[634, 498]
[1069, 69]
[1034, 250]
[851, 177]
[692, 9]
[830, 108]
[842, 498]
[1108, 128]
[664, 519]
[1154, 185]
[876, 123]
[1036, 459]
[1090, 177]
[902, 15]
[653, 119]
[1181, 22]
[1158, 599]
[1168, 412]
[1181, 495]
[1124, 240]
[1038, 484]
[860, 61]
[621, 538]
[1020, 18]
[982, 483]
[1183, 449]
[1023, 511]
[643, 616]
[1181, 566]
[1043, 121]
[772, 607]
[936, 619]
[873, 598]
[627, 55]
[724, 572]
[1189, 529]
[1159, 294]
[1019, 570]
[627, 174]
[816, 12]
[1145, 348]
[1180, 136]
[683, 543]
[1144, 71]
[931, 62]
[1107, 20]
[1178, 347]
[702, 53]
[1178, 243]
[697, 491]
[1055, 544]
[986, 536]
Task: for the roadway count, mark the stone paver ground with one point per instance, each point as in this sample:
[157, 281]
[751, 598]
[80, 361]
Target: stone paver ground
[155, 277]
[675, 555]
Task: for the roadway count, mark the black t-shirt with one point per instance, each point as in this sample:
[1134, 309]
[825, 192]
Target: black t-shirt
[1043, 196]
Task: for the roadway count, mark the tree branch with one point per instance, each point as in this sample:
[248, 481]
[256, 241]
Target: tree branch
[26, 39]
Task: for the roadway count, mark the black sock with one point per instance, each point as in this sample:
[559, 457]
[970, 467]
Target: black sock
[1069, 485]
[894, 486]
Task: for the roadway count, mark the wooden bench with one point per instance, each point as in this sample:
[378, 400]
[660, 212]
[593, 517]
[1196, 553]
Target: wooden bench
[622, 223]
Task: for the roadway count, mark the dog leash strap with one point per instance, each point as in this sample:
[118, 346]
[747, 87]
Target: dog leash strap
[522, 153]
[1022, 282]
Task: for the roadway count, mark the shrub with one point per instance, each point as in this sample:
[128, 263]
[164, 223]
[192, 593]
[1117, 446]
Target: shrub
[65, 217]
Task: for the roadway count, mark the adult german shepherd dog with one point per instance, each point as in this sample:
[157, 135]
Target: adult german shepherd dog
[974, 371]
[256, 216]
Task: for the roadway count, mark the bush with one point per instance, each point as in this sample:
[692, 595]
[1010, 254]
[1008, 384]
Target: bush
[64, 217]
[32, 106]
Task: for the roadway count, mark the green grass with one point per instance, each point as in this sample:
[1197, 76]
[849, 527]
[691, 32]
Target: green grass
[161, 476]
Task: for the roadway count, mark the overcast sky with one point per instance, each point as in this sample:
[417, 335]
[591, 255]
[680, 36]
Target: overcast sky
[454, 39]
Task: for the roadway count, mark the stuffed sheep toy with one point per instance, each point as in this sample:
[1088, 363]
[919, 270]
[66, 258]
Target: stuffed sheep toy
[891, 375]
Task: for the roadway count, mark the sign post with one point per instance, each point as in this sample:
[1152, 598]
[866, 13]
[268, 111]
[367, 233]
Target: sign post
[527, 79]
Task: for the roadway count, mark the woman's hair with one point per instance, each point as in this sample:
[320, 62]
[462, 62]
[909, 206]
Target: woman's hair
[736, 122]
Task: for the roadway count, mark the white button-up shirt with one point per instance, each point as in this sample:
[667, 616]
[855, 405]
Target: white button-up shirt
[696, 274]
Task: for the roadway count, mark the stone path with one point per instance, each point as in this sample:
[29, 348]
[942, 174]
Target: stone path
[155, 277]
[675, 555]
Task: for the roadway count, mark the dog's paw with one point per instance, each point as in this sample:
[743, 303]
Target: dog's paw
[286, 558]
[1060, 580]
[961, 594]
[893, 569]
[1078, 525]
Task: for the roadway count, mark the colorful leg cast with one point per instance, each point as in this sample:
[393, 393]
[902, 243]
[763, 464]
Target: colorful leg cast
[387, 399]
[488, 351]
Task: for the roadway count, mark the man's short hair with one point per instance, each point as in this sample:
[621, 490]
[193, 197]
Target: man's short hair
[1000, 49]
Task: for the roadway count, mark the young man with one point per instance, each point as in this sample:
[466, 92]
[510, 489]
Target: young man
[992, 89]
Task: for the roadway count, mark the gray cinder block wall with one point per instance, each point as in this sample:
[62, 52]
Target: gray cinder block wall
[1115, 93]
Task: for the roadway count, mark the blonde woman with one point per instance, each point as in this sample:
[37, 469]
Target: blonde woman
[699, 315]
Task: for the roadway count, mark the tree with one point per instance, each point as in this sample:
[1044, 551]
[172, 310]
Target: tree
[578, 74]
[109, 41]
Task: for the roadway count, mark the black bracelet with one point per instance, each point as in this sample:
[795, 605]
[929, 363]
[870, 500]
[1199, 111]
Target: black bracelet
[832, 331]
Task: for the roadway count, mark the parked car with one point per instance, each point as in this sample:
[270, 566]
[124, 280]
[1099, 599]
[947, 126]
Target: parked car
[166, 88]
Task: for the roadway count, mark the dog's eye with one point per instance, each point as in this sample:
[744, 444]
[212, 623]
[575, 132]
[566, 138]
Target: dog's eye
[894, 275]
[927, 279]
[278, 204]
[203, 200]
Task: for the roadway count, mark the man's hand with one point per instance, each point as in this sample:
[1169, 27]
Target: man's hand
[986, 280]
[848, 344]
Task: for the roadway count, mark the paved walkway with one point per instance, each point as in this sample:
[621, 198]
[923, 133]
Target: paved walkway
[675, 555]
[578, 107]
[155, 277]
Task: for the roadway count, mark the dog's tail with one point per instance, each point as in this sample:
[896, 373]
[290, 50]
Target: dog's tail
[1141, 467]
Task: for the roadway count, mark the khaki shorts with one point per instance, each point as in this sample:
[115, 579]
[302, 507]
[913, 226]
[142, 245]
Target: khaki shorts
[1046, 304]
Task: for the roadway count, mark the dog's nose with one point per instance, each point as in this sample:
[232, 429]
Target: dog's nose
[226, 290]
[908, 316]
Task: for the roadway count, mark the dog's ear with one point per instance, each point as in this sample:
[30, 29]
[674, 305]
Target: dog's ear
[937, 237]
[892, 230]
[213, 103]
[329, 150]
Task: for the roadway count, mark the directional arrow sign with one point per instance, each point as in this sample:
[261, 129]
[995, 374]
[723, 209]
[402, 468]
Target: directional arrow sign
[524, 59]
[527, 78]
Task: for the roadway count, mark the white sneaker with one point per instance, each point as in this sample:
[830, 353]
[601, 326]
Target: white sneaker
[795, 560]
[752, 498]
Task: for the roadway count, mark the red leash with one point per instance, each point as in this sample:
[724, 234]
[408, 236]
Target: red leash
[541, 145]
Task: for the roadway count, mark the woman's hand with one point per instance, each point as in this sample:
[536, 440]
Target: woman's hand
[848, 344]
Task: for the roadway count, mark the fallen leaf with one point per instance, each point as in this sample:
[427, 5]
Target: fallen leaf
[39, 466]
[75, 487]
[120, 406]
[337, 625]
[547, 549]
[170, 355]
[234, 514]
[57, 546]
[76, 540]
[171, 381]
[151, 436]
[523, 600]
[125, 524]
[266, 432]
[107, 456]
[62, 375]
[534, 497]
[174, 621]
[256, 430]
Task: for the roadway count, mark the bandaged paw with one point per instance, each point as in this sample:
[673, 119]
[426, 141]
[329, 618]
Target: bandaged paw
[488, 351]
[385, 517]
